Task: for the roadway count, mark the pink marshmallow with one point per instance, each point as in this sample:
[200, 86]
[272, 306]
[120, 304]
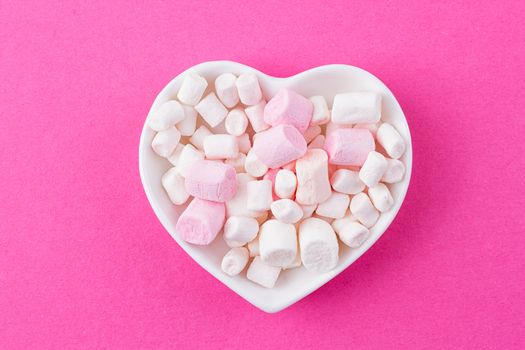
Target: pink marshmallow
[201, 221]
[349, 146]
[212, 181]
[279, 145]
[288, 107]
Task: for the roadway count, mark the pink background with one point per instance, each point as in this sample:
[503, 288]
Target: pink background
[84, 263]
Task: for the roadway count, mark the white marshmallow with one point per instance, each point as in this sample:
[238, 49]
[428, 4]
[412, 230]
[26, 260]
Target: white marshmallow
[339, 224]
[256, 116]
[254, 166]
[347, 181]
[166, 115]
[175, 155]
[188, 155]
[226, 89]
[350, 232]
[238, 205]
[395, 171]
[239, 230]
[248, 88]
[318, 245]
[253, 247]
[356, 107]
[311, 133]
[211, 110]
[335, 206]
[221, 146]
[370, 127]
[237, 162]
[197, 139]
[313, 185]
[308, 210]
[235, 261]
[287, 211]
[373, 169]
[295, 263]
[262, 273]
[363, 209]
[277, 243]
[318, 142]
[236, 122]
[244, 143]
[187, 125]
[173, 184]
[192, 88]
[331, 127]
[165, 141]
[321, 114]
[285, 183]
[259, 195]
[392, 142]
[381, 197]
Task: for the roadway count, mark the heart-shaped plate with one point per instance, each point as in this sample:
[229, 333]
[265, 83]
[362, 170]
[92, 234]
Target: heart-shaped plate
[297, 283]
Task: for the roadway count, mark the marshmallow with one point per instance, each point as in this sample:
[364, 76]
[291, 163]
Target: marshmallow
[331, 127]
[392, 142]
[318, 142]
[226, 89]
[373, 169]
[311, 133]
[197, 139]
[349, 146]
[370, 127]
[238, 205]
[321, 114]
[285, 183]
[165, 141]
[318, 245]
[187, 125]
[287, 211]
[236, 122]
[192, 89]
[256, 116]
[313, 185]
[210, 180]
[188, 155]
[248, 88]
[335, 206]
[395, 171]
[347, 181]
[262, 273]
[363, 209]
[253, 247]
[279, 145]
[356, 107]
[211, 110]
[166, 115]
[308, 210]
[201, 221]
[290, 108]
[175, 155]
[350, 232]
[254, 166]
[173, 184]
[239, 230]
[221, 146]
[271, 175]
[381, 197]
[235, 261]
[237, 162]
[277, 243]
[295, 263]
[259, 195]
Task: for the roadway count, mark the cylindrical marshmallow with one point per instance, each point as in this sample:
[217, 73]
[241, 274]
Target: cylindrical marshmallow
[239, 230]
[244, 143]
[356, 107]
[221, 146]
[392, 142]
[211, 110]
[254, 166]
[308, 210]
[395, 171]
[285, 183]
[349, 146]
[331, 127]
[295, 263]
[187, 125]
[201, 221]
[362, 208]
[173, 184]
[370, 127]
[236, 122]
[238, 205]
[335, 206]
[235, 261]
[317, 142]
[287, 211]
[373, 169]
[318, 245]
[311, 133]
[166, 115]
[188, 155]
[279, 145]
[347, 181]
[237, 162]
[248, 89]
[253, 247]
[226, 89]
[192, 89]
[289, 108]
[255, 114]
[175, 155]
[165, 141]
[277, 243]
[259, 195]
[211, 180]
[321, 114]
[262, 273]
[197, 139]
[381, 197]
[313, 185]
[350, 232]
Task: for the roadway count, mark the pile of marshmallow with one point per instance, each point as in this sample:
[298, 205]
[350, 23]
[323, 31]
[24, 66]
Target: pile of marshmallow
[313, 175]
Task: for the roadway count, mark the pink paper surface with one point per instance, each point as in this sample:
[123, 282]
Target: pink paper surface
[84, 262]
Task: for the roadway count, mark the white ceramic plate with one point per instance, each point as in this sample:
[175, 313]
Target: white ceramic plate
[297, 283]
